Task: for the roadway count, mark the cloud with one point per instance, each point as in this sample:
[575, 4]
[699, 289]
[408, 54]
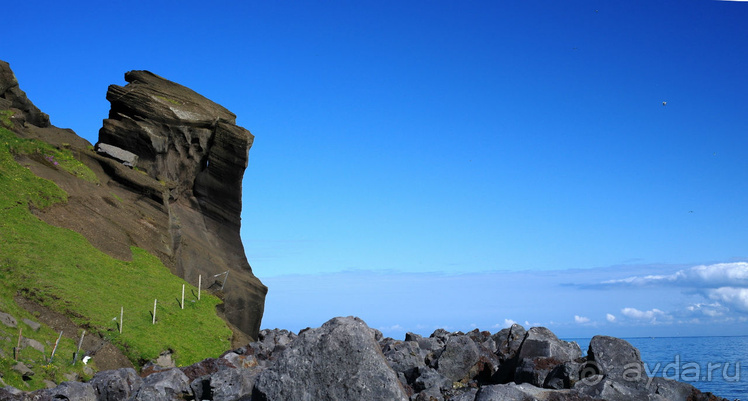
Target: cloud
[509, 322]
[395, 327]
[716, 275]
[730, 296]
[581, 319]
[725, 283]
[711, 310]
[719, 274]
[650, 315]
[610, 318]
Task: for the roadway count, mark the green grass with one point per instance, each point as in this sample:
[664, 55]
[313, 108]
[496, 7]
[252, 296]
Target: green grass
[60, 269]
[46, 154]
[5, 116]
[35, 360]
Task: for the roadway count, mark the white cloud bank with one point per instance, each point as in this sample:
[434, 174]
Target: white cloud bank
[726, 283]
[730, 296]
[717, 275]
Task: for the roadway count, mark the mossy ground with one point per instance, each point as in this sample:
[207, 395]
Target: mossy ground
[61, 270]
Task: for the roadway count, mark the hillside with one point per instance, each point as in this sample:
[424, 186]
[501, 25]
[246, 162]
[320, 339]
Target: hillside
[84, 237]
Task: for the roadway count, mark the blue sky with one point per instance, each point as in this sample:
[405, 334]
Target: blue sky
[440, 164]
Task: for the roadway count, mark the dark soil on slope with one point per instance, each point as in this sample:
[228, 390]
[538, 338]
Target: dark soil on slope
[105, 355]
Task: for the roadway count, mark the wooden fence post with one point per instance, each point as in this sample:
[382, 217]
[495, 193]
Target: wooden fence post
[17, 350]
[78, 351]
[55, 348]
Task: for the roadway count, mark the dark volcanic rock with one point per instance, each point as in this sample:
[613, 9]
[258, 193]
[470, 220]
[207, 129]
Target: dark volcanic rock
[503, 392]
[508, 341]
[459, 356]
[13, 98]
[116, 385]
[339, 361]
[616, 358]
[405, 357]
[431, 379]
[541, 342]
[71, 391]
[541, 352]
[232, 384]
[193, 147]
[166, 385]
[564, 375]
[620, 372]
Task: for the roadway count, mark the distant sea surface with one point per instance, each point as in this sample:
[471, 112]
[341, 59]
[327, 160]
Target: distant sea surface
[715, 364]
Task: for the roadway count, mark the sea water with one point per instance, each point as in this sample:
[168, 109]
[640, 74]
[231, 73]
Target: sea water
[715, 364]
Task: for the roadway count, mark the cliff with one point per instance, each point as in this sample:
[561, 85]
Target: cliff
[192, 147]
[169, 165]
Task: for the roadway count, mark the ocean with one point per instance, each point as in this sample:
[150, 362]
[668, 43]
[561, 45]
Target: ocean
[714, 364]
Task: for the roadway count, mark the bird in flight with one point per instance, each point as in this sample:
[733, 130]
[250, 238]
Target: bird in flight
[664, 103]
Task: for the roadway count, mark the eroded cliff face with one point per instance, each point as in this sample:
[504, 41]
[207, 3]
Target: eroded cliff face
[169, 164]
[194, 149]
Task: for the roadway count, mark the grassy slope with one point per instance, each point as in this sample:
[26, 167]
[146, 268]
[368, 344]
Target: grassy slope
[60, 269]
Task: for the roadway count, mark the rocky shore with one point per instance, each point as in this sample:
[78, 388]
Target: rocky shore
[346, 360]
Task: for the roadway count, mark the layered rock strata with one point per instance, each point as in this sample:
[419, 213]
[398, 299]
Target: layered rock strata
[169, 165]
[194, 149]
[346, 360]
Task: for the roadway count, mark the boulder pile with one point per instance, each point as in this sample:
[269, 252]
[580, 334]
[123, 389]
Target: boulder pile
[346, 360]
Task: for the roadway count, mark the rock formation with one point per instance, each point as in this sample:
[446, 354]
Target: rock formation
[12, 97]
[193, 147]
[346, 360]
[170, 165]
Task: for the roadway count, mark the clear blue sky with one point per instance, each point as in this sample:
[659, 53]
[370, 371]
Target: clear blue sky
[453, 164]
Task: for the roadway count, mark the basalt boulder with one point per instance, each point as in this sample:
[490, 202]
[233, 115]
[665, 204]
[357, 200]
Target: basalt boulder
[339, 361]
[541, 351]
